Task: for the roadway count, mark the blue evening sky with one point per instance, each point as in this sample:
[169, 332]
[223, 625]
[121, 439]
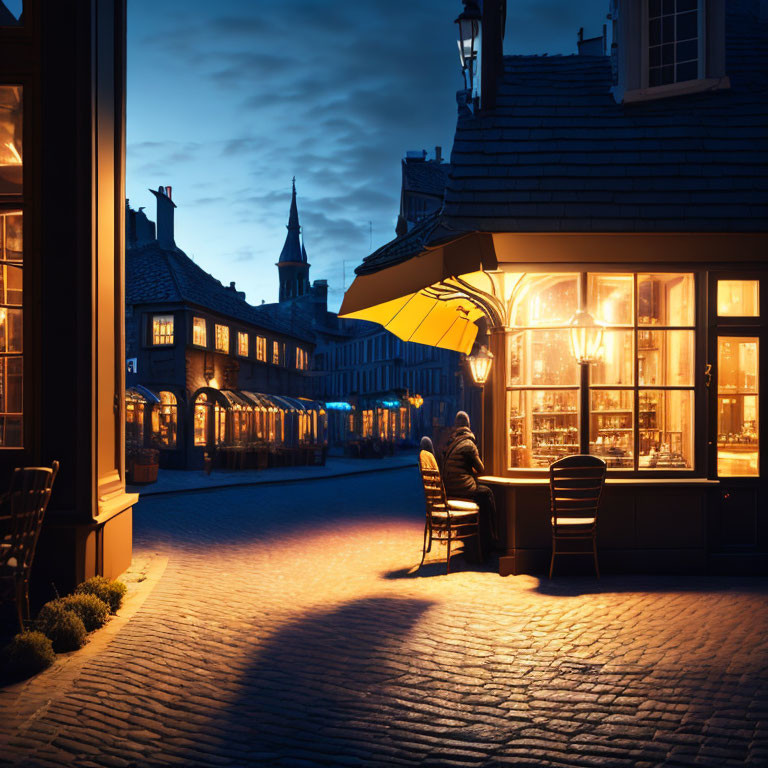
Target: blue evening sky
[228, 99]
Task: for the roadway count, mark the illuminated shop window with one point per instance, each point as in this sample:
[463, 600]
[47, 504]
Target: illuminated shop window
[738, 298]
[11, 149]
[242, 344]
[302, 359]
[165, 420]
[261, 349]
[738, 417]
[162, 330]
[201, 415]
[11, 269]
[278, 353]
[199, 332]
[367, 423]
[640, 387]
[222, 338]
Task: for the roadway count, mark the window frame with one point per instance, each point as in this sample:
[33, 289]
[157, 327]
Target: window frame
[153, 342]
[259, 346]
[701, 8]
[240, 335]
[216, 346]
[205, 332]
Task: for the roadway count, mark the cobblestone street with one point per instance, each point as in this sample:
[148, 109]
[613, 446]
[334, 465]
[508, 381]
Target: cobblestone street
[289, 630]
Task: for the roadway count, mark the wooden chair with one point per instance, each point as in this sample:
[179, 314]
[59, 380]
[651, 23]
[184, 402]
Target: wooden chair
[447, 519]
[575, 485]
[21, 518]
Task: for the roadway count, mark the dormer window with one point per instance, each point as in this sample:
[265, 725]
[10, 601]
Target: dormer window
[673, 41]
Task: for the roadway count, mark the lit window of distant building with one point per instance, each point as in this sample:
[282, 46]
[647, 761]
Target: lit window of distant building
[242, 344]
[302, 359]
[162, 329]
[222, 338]
[199, 332]
[276, 358]
[261, 349]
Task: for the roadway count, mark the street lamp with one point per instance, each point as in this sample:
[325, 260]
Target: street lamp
[469, 31]
[480, 367]
[586, 338]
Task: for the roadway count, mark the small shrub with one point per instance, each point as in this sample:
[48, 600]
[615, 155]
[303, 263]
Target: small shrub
[92, 610]
[65, 628]
[26, 655]
[111, 592]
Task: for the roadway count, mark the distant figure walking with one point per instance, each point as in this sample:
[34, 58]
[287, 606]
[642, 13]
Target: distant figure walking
[461, 466]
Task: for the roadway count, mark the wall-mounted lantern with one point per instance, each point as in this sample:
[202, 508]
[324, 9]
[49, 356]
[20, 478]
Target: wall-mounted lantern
[586, 338]
[469, 32]
[480, 366]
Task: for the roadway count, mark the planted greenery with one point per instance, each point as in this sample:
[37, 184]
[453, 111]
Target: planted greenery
[26, 655]
[92, 610]
[111, 592]
[64, 627]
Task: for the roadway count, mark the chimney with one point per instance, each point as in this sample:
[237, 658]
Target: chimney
[239, 294]
[438, 155]
[593, 46]
[494, 16]
[165, 208]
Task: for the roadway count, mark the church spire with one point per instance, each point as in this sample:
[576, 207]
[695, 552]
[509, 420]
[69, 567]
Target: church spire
[292, 266]
[292, 250]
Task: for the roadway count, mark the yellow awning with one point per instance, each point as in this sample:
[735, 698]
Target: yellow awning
[428, 299]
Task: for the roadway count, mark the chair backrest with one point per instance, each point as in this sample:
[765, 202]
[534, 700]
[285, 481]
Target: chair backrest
[22, 515]
[575, 485]
[434, 492]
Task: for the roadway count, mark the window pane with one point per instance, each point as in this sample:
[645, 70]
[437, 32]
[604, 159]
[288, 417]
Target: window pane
[543, 426]
[738, 298]
[665, 299]
[222, 338]
[541, 300]
[737, 406]
[242, 344]
[10, 140]
[617, 361]
[10, 236]
[542, 358]
[666, 429]
[611, 431]
[164, 421]
[665, 358]
[610, 299]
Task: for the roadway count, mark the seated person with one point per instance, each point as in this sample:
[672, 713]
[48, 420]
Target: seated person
[461, 465]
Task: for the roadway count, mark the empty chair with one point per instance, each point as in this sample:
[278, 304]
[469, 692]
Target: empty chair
[447, 520]
[21, 517]
[575, 485]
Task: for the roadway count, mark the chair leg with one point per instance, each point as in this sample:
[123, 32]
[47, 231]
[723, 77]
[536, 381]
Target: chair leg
[424, 545]
[448, 558]
[552, 561]
[479, 547]
[594, 554]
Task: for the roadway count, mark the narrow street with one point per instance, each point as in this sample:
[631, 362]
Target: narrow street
[288, 630]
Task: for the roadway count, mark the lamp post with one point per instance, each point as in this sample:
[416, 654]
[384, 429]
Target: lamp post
[480, 368]
[586, 348]
[469, 32]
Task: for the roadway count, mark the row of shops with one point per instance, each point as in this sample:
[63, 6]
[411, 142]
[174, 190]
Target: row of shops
[242, 429]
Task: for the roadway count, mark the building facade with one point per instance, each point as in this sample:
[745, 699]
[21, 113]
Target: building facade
[62, 146]
[606, 220]
[208, 364]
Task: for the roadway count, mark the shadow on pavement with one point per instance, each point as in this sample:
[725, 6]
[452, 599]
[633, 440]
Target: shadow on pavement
[315, 690]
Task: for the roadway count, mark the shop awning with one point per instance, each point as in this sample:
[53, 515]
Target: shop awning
[257, 400]
[433, 298]
[287, 403]
[140, 394]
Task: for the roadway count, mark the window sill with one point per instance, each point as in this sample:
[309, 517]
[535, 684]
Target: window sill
[673, 89]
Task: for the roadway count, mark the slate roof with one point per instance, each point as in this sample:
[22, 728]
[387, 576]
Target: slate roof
[157, 275]
[428, 178]
[559, 154]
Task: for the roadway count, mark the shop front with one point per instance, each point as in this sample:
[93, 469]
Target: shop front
[652, 363]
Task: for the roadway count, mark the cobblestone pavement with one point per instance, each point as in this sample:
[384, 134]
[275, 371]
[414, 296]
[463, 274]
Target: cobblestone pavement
[287, 630]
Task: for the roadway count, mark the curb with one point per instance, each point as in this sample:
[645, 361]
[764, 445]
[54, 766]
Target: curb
[251, 483]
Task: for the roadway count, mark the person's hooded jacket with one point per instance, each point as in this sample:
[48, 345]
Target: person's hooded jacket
[461, 462]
